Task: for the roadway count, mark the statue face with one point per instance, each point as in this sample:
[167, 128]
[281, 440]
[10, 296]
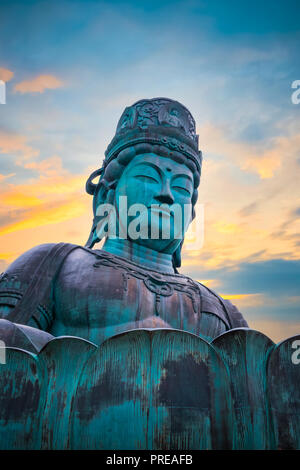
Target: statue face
[152, 180]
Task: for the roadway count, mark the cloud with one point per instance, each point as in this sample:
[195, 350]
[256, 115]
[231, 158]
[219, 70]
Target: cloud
[5, 256]
[245, 300]
[8, 217]
[267, 293]
[53, 197]
[296, 212]
[265, 165]
[5, 177]
[247, 218]
[211, 283]
[5, 74]
[38, 84]
[251, 158]
[248, 209]
[17, 198]
[51, 213]
[275, 309]
[271, 277]
[275, 329]
[14, 144]
[225, 227]
[3, 265]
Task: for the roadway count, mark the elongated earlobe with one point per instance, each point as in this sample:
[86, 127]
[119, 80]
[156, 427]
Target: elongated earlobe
[93, 238]
[177, 256]
[91, 187]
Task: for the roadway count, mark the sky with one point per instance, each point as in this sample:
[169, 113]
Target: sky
[71, 67]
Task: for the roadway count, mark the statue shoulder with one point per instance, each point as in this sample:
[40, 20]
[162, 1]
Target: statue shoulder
[214, 303]
[26, 285]
[28, 261]
[41, 261]
[237, 319]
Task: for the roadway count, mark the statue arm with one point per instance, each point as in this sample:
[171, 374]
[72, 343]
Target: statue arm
[212, 303]
[236, 317]
[14, 283]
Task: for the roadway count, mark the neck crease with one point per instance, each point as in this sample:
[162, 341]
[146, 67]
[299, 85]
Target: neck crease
[139, 254]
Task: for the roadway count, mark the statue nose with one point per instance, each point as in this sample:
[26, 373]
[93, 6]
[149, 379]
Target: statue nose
[165, 196]
[165, 199]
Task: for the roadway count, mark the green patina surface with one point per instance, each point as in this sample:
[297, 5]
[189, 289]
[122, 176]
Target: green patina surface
[152, 389]
[162, 388]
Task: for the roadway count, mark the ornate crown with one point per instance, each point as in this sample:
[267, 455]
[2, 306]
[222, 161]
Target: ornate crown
[158, 121]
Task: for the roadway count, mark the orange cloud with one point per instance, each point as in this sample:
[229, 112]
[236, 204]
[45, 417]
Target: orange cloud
[47, 214]
[265, 165]
[38, 84]
[232, 235]
[16, 144]
[20, 199]
[6, 256]
[53, 197]
[225, 227]
[212, 283]
[242, 215]
[5, 74]
[5, 177]
[276, 330]
[245, 300]
[251, 158]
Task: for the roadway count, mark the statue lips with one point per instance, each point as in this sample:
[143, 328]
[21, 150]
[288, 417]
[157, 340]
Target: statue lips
[165, 213]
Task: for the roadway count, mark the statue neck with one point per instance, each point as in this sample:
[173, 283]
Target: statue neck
[139, 254]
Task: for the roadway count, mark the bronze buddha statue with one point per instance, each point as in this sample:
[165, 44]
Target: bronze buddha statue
[132, 282]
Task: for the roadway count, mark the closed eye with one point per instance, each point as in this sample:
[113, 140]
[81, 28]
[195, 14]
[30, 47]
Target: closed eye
[146, 178]
[182, 190]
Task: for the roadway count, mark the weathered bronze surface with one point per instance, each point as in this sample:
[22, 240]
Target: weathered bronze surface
[182, 386]
[94, 294]
[152, 389]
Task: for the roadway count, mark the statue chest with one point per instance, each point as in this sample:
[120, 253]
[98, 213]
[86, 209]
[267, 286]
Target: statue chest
[97, 297]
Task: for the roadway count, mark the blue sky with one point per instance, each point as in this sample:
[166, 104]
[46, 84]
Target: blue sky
[231, 63]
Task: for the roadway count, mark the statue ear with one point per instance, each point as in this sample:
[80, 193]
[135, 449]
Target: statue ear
[102, 196]
[177, 256]
[91, 187]
[92, 237]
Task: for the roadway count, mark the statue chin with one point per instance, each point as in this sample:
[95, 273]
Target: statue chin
[154, 236]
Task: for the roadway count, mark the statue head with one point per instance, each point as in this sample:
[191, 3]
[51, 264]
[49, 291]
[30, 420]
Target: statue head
[152, 160]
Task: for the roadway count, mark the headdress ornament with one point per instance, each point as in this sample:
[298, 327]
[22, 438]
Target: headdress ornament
[158, 121]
